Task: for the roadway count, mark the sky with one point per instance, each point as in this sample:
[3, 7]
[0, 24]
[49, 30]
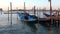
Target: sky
[29, 4]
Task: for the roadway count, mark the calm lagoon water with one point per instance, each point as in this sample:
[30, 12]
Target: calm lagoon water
[18, 27]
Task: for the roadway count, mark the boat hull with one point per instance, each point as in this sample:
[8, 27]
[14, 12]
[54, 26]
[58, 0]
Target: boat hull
[26, 21]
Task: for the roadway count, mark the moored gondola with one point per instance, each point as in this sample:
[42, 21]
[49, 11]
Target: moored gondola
[28, 18]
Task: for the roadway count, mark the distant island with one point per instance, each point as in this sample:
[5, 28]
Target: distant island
[29, 10]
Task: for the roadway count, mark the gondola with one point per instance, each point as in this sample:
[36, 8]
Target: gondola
[54, 14]
[29, 19]
[48, 15]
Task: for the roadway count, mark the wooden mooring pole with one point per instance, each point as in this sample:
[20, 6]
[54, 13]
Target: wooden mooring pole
[24, 12]
[24, 8]
[34, 11]
[58, 17]
[8, 14]
[11, 11]
[17, 14]
[1, 12]
[51, 12]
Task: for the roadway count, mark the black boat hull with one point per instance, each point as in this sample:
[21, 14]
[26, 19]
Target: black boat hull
[35, 21]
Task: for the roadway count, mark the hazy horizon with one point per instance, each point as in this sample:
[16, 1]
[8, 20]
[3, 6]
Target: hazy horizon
[4, 4]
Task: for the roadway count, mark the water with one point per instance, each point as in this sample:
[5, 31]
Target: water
[19, 27]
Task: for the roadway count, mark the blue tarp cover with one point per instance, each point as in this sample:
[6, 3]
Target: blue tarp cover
[30, 17]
